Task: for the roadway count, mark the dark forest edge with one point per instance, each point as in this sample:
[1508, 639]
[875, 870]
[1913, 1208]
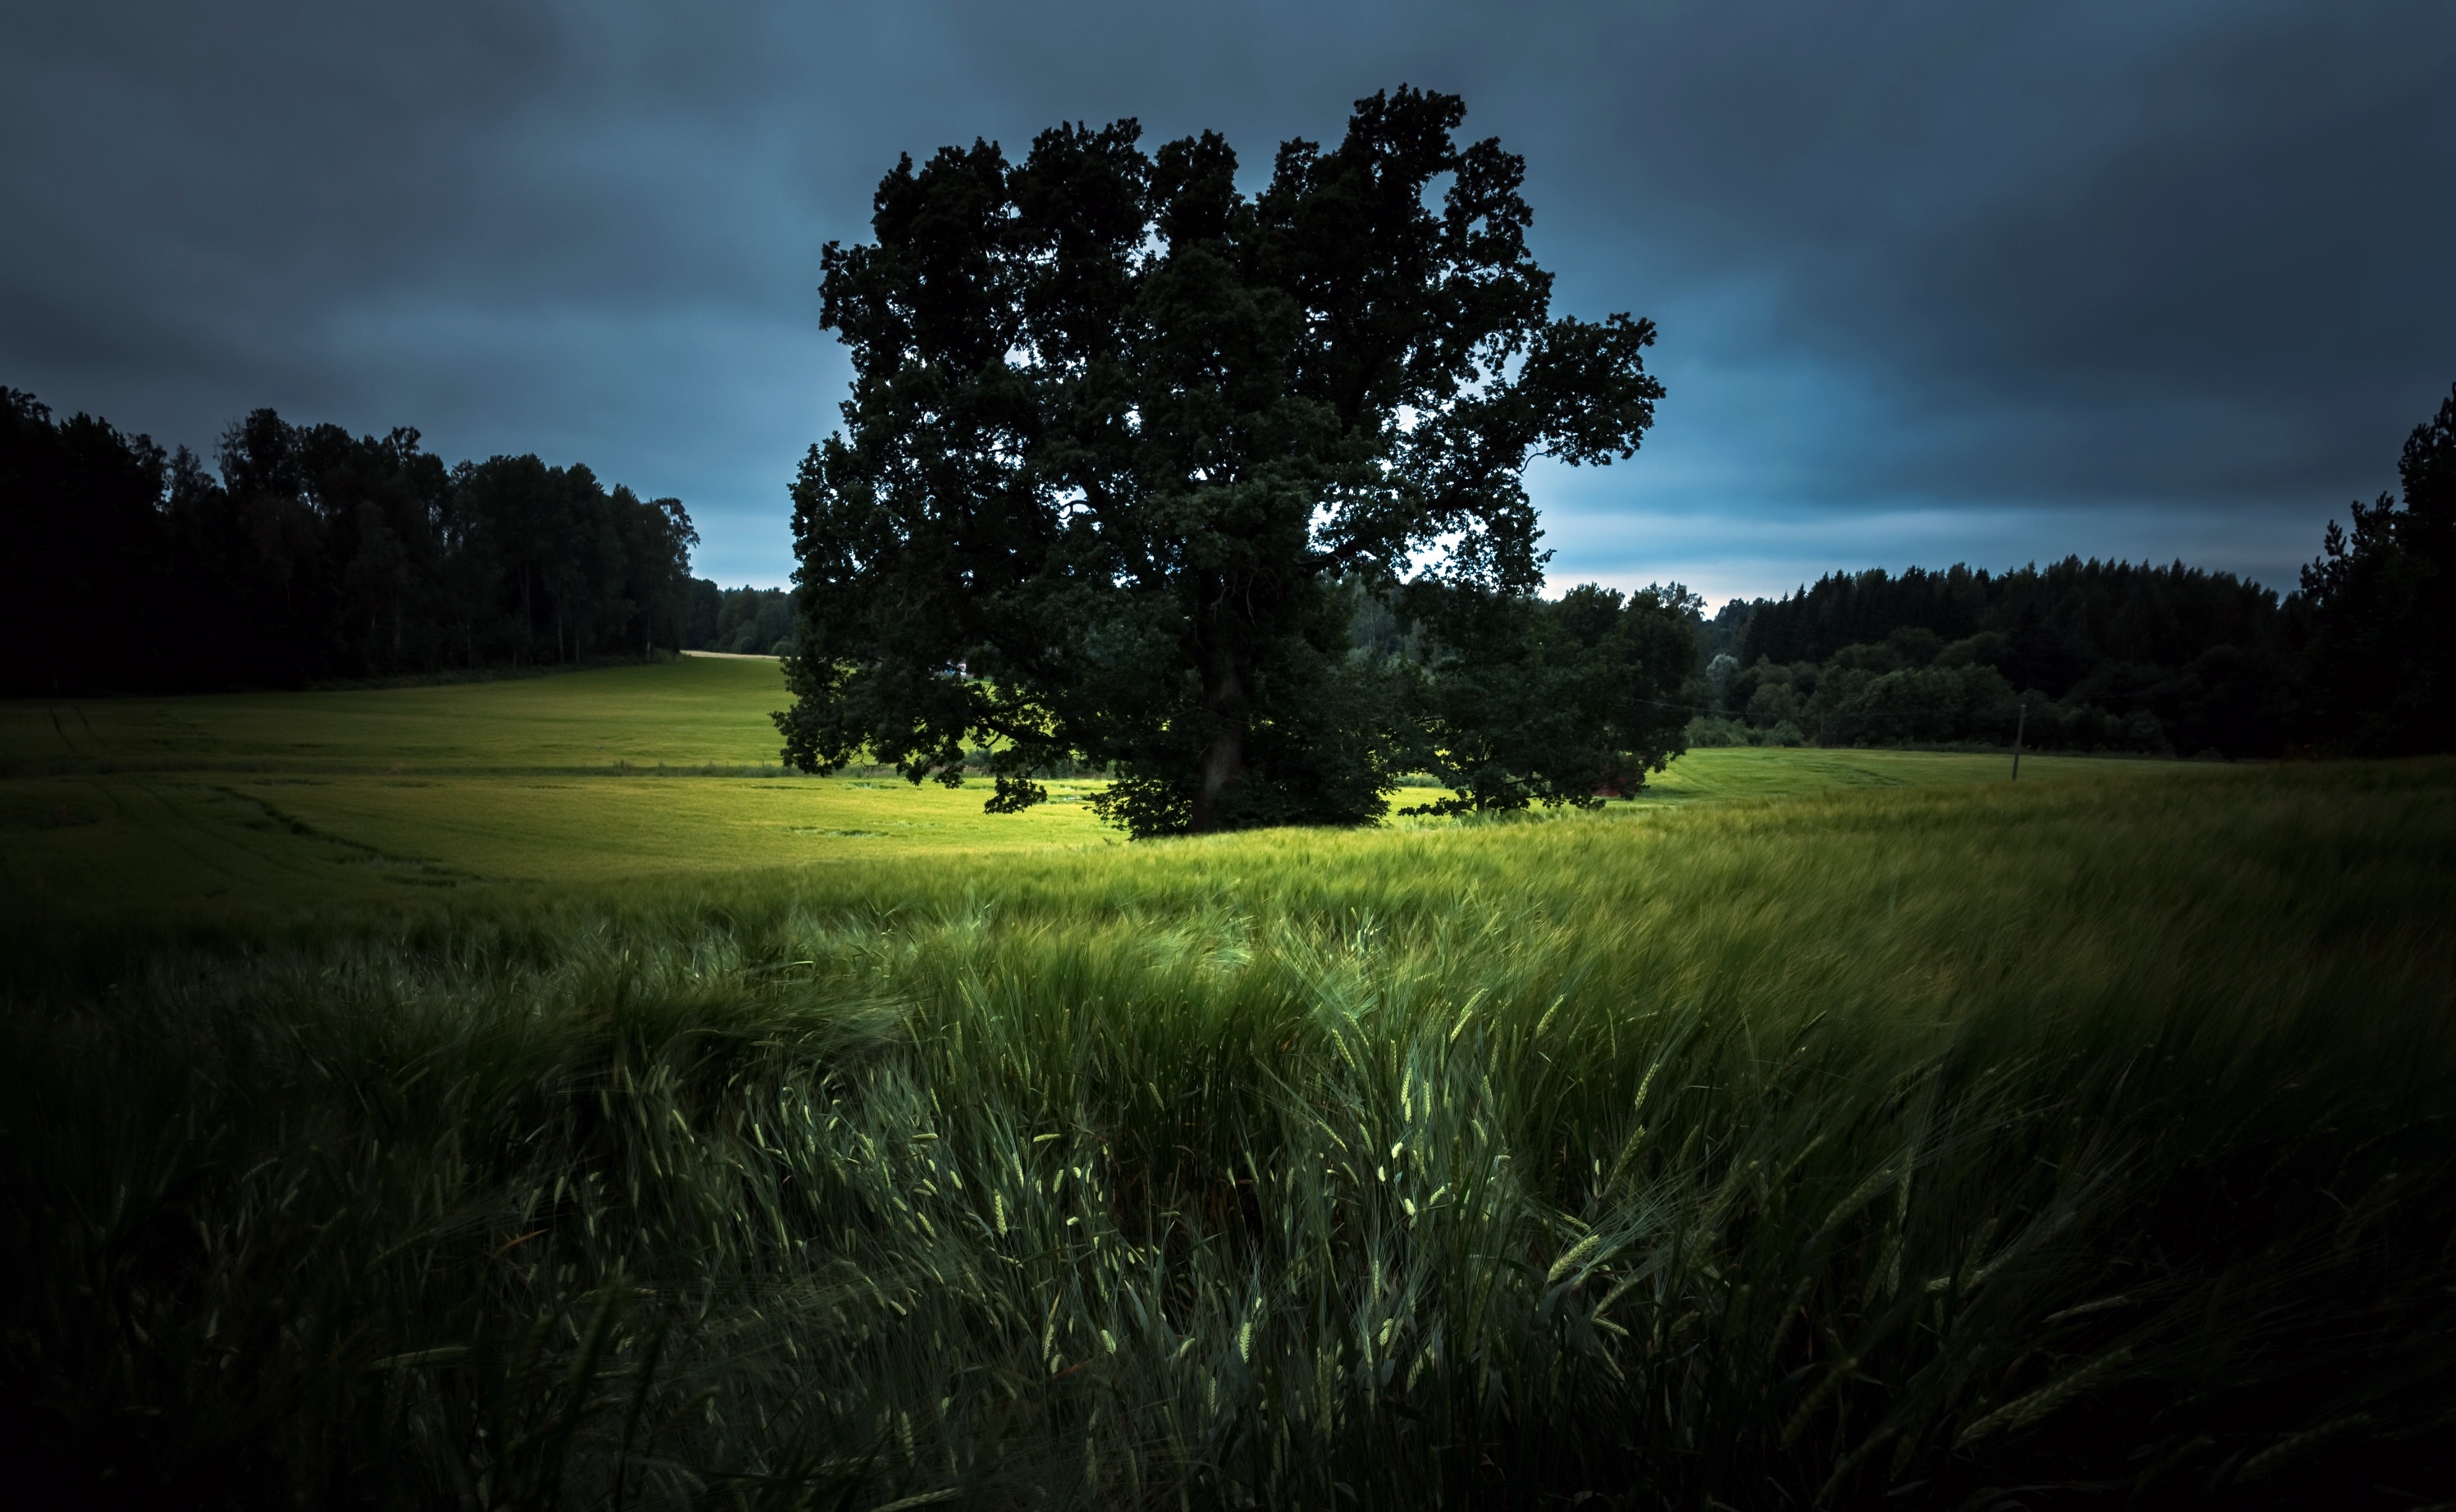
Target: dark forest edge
[307, 555]
[2360, 660]
[2077, 656]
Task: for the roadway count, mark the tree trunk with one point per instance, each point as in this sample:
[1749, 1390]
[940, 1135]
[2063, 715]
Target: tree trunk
[1223, 760]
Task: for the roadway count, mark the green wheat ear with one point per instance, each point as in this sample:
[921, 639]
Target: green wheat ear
[1569, 1262]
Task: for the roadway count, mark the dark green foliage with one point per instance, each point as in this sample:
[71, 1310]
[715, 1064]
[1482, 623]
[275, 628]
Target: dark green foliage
[313, 555]
[2061, 621]
[2108, 654]
[746, 620]
[2380, 668]
[1555, 702]
[77, 514]
[1120, 436]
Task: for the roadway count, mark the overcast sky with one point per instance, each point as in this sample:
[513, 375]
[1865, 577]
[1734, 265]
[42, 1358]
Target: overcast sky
[1935, 281]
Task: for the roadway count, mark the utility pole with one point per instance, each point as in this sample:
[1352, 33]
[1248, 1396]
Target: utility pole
[2019, 727]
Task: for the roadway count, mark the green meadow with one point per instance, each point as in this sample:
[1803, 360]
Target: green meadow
[521, 1094]
[203, 805]
[236, 802]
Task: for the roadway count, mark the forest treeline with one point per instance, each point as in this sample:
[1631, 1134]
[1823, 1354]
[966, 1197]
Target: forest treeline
[2106, 655]
[307, 554]
[2113, 656]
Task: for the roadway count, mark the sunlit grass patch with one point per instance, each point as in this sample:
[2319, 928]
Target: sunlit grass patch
[647, 772]
[691, 713]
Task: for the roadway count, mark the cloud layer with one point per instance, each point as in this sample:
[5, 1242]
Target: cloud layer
[1935, 281]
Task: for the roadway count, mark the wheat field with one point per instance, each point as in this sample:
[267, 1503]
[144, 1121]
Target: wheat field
[1819, 1135]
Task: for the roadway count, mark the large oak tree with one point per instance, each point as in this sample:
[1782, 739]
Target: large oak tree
[1122, 439]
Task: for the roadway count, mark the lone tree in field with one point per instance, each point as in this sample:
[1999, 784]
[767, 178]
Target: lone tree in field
[1123, 443]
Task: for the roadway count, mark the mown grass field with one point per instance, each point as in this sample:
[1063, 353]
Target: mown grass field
[1826, 1128]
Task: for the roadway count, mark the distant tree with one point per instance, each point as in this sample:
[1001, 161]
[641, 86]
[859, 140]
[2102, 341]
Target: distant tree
[1119, 437]
[2379, 665]
[707, 602]
[583, 561]
[81, 543]
[1720, 674]
[655, 538]
[757, 622]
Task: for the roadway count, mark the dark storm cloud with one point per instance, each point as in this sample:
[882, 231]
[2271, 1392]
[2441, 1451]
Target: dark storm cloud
[1935, 280]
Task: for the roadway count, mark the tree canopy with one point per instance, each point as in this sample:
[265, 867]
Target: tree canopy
[1518, 699]
[1122, 438]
